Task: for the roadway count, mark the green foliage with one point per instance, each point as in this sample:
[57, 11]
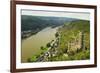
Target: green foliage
[83, 55]
[33, 59]
[42, 48]
[48, 45]
[56, 34]
[37, 23]
[61, 57]
[68, 33]
[71, 31]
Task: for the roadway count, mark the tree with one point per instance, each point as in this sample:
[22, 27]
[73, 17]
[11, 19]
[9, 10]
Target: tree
[48, 45]
[57, 34]
[42, 48]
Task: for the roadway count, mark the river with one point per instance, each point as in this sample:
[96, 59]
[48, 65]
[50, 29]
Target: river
[31, 45]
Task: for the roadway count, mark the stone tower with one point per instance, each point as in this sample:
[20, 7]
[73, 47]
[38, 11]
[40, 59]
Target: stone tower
[81, 40]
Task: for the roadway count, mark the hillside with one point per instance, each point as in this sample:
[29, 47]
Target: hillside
[32, 24]
[72, 43]
[40, 22]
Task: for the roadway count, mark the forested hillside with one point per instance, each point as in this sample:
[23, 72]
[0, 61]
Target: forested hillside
[32, 24]
[40, 22]
[75, 39]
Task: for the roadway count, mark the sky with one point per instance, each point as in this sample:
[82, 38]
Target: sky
[78, 15]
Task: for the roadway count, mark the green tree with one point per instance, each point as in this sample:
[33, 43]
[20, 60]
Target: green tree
[48, 45]
[42, 48]
[56, 34]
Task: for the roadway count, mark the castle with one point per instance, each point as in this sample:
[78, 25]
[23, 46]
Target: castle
[76, 44]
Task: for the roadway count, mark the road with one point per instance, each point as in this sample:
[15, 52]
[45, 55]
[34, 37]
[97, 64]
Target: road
[47, 53]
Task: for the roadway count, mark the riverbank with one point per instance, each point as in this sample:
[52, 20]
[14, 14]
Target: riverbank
[32, 45]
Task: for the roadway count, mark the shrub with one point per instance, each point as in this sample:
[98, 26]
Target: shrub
[48, 45]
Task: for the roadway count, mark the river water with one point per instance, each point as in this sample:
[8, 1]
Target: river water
[31, 45]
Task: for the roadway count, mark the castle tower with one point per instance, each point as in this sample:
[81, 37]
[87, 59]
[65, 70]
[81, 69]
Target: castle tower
[81, 40]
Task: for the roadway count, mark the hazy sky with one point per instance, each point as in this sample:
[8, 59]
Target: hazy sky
[78, 15]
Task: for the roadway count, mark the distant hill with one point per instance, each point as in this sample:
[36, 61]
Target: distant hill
[39, 22]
